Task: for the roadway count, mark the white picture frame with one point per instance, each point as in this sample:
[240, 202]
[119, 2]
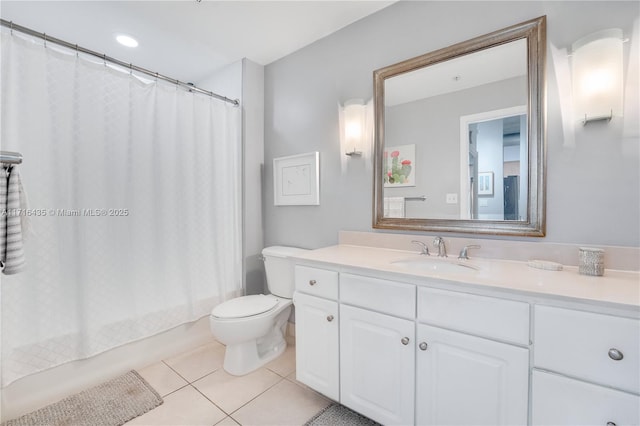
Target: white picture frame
[485, 183]
[296, 180]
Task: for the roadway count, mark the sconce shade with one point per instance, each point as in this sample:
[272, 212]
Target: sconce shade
[353, 126]
[597, 62]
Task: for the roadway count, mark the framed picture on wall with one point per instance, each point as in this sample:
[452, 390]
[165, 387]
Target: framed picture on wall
[399, 166]
[296, 180]
[485, 183]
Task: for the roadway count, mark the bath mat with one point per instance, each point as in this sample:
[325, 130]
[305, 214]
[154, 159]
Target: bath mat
[112, 403]
[339, 415]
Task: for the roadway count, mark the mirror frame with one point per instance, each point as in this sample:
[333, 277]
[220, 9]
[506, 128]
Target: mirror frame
[534, 31]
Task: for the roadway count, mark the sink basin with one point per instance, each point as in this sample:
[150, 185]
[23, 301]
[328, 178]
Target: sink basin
[434, 264]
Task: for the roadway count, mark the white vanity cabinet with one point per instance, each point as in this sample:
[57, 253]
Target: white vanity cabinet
[464, 379]
[432, 352]
[317, 334]
[586, 368]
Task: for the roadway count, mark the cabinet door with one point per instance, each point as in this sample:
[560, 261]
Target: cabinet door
[467, 380]
[317, 354]
[377, 356]
[559, 401]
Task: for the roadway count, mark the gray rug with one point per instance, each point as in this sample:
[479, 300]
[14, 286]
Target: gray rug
[112, 403]
[339, 415]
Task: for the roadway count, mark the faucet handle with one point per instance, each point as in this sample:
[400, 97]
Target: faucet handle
[425, 249]
[463, 253]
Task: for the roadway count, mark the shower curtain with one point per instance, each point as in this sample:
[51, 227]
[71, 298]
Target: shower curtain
[134, 206]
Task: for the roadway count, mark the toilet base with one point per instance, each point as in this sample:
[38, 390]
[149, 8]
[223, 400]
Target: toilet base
[245, 357]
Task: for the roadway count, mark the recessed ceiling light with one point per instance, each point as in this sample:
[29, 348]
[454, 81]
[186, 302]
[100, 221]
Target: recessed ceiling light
[126, 40]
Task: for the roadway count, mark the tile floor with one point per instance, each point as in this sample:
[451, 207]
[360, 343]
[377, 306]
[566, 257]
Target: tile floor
[197, 391]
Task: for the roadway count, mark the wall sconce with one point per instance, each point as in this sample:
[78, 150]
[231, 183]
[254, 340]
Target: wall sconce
[597, 62]
[353, 116]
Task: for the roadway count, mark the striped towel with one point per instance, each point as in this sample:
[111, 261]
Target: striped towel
[11, 250]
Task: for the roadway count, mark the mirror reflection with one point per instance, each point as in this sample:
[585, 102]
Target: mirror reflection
[429, 114]
[458, 138]
[496, 178]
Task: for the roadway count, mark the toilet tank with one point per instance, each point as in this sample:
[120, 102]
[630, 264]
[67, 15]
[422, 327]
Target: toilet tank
[279, 268]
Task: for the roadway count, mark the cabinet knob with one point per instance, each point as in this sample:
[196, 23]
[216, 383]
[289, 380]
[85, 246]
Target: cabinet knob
[312, 282]
[330, 318]
[423, 346]
[615, 354]
[405, 340]
[611, 424]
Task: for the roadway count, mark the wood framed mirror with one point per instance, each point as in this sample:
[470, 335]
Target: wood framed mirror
[460, 137]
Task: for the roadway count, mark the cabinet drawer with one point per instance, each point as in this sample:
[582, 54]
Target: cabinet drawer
[384, 296]
[485, 316]
[579, 344]
[559, 400]
[318, 282]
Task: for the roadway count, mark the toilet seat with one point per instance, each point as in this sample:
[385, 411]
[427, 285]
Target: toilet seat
[245, 306]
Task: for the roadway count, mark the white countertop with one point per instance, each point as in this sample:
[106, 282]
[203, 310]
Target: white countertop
[620, 288]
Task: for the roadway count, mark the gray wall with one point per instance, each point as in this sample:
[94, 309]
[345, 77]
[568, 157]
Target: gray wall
[244, 80]
[593, 185]
[253, 136]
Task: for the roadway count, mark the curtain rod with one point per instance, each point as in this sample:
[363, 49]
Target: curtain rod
[8, 157]
[104, 57]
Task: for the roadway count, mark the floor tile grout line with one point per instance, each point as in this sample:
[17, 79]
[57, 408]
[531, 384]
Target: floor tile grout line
[176, 390]
[303, 387]
[209, 399]
[194, 380]
[281, 375]
[190, 383]
[257, 396]
[176, 371]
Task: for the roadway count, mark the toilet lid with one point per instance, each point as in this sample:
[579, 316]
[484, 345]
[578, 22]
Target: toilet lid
[244, 306]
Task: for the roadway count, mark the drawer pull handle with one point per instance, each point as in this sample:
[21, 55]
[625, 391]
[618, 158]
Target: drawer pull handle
[405, 340]
[423, 346]
[312, 282]
[330, 318]
[615, 354]
[611, 424]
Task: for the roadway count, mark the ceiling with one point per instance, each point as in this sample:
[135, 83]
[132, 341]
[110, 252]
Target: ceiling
[486, 66]
[187, 39]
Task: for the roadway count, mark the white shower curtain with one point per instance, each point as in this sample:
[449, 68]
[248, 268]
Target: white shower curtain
[134, 202]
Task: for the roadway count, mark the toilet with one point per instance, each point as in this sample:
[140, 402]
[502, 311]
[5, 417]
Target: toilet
[253, 327]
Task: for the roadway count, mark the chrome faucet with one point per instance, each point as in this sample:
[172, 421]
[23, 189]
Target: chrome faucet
[425, 249]
[442, 250]
[463, 253]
